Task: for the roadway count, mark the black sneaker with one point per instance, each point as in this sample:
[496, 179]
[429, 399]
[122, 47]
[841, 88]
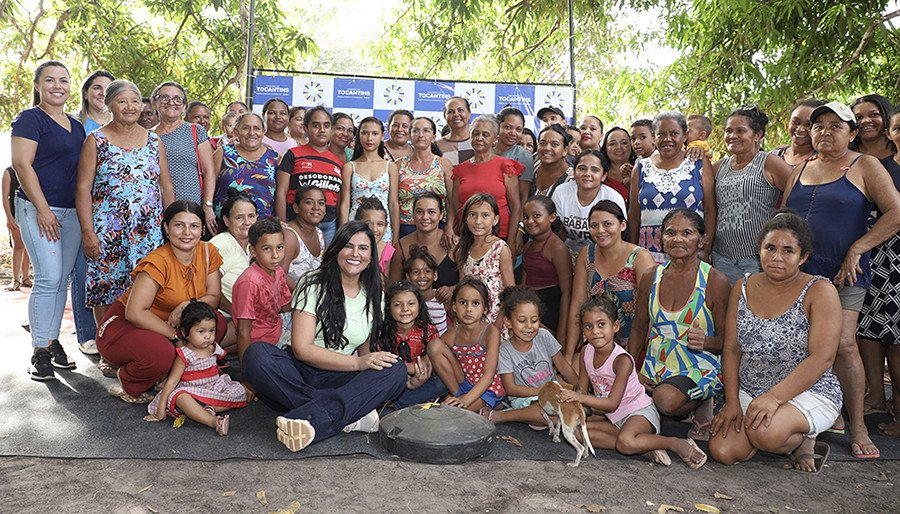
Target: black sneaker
[60, 359]
[41, 368]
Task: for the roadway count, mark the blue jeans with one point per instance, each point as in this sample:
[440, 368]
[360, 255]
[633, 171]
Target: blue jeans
[329, 400]
[427, 392]
[85, 326]
[53, 261]
[328, 229]
[734, 269]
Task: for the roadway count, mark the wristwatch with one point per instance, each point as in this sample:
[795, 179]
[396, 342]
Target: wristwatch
[208, 203]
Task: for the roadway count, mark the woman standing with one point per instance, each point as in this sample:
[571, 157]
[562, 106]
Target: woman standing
[188, 150]
[138, 333]
[457, 146]
[275, 111]
[123, 187]
[94, 113]
[296, 130]
[872, 113]
[591, 133]
[46, 143]
[248, 165]
[680, 322]
[749, 183]
[423, 171]
[342, 132]
[489, 173]
[199, 113]
[670, 180]
[512, 123]
[552, 170]
[617, 148]
[528, 140]
[399, 124]
[842, 181]
[800, 149]
[783, 316]
[318, 384]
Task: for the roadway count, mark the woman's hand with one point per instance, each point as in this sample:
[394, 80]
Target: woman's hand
[449, 240]
[12, 225]
[443, 294]
[376, 360]
[760, 411]
[248, 390]
[694, 153]
[210, 215]
[626, 169]
[696, 337]
[850, 268]
[729, 417]
[647, 382]
[175, 317]
[91, 245]
[48, 225]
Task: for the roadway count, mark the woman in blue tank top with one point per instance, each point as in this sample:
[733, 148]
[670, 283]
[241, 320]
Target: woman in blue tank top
[834, 192]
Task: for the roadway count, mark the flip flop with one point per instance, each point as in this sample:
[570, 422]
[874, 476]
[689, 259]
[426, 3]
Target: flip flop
[820, 457]
[120, 393]
[860, 455]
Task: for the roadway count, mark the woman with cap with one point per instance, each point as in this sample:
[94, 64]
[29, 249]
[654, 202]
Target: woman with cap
[840, 180]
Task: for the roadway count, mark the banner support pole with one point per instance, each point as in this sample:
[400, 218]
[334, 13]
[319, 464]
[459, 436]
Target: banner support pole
[248, 81]
[572, 58]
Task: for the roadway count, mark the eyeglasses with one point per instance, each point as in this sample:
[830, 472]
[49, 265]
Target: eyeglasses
[166, 99]
[424, 131]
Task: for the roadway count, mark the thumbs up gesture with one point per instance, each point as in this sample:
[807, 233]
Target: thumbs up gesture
[696, 336]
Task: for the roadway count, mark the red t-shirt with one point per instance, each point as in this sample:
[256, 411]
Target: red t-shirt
[309, 167]
[486, 177]
[414, 339]
[259, 297]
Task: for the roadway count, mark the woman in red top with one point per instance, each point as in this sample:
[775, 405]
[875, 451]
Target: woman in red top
[489, 173]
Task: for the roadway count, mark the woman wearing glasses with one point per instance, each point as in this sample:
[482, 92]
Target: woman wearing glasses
[422, 171]
[188, 150]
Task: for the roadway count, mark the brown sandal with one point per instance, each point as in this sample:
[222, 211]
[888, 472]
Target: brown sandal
[107, 368]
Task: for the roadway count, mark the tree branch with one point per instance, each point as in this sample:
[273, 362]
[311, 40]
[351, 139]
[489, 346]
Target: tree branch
[866, 39]
[60, 23]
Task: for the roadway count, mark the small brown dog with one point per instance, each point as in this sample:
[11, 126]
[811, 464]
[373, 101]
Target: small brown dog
[570, 416]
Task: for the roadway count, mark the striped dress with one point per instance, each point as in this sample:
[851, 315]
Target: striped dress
[667, 352]
[746, 201]
[202, 380]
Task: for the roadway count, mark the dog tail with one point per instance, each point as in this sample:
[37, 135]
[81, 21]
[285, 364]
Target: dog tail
[584, 434]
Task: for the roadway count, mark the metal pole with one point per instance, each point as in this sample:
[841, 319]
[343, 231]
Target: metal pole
[572, 58]
[248, 81]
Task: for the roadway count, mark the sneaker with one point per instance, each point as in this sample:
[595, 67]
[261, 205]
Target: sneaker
[368, 423]
[89, 347]
[41, 369]
[295, 434]
[60, 359]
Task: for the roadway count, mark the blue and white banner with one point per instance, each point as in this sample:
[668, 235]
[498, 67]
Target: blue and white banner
[362, 97]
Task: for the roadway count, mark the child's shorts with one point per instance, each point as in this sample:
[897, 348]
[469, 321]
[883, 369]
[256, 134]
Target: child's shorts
[520, 402]
[819, 411]
[649, 413]
[488, 397]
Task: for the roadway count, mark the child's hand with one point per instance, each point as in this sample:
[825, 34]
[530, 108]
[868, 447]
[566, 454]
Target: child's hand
[376, 360]
[626, 169]
[568, 395]
[453, 401]
[251, 394]
[154, 417]
[421, 375]
[443, 294]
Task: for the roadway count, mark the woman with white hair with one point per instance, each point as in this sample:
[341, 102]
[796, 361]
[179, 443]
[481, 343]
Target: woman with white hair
[123, 185]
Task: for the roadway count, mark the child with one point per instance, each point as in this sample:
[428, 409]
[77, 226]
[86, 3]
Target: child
[699, 129]
[630, 423]
[421, 269]
[466, 360]
[304, 244]
[407, 332]
[261, 292]
[527, 359]
[229, 132]
[372, 212]
[546, 265]
[369, 174]
[642, 141]
[194, 385]
[20, 260]
[481, 253]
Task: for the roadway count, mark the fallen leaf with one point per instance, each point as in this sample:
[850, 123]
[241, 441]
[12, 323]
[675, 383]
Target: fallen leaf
[178, 421]
[666, 508]
[151, 509]
[650, 503]
[145, 489]
[719, 496]
[426, 406]
[773, 510]
[261, 496]
[511, 440]
[702, 507]
[292, 508]
[229, 493]
[592, 507]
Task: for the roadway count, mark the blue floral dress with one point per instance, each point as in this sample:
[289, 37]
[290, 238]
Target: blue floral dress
[379, 188]
[127, 209]
[257, 178]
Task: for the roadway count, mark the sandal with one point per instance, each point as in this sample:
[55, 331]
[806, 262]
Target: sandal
[222, 423]
[819, 457]
[13, 286]
[120, 393]
[27, 283]
[107, 368]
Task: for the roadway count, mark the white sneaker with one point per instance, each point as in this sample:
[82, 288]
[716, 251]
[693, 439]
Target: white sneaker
[295, 434]
[89, 347]
[368, 423]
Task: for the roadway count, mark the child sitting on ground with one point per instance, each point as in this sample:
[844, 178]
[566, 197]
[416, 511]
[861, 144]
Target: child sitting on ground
[421, 269]
[194, 385]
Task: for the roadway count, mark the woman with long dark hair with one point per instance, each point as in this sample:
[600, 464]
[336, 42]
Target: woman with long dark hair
[318, 385]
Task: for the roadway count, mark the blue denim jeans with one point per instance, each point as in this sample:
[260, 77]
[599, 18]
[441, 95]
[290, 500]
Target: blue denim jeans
[328, 229]
[53, 261]
[85, 326]
[329, 400]
[427, 392]
[734, 269]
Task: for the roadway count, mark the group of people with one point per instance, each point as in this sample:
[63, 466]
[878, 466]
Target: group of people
[352, 266]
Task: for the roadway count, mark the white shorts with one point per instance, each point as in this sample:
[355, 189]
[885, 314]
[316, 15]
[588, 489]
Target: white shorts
[649, 413]
[819, 411]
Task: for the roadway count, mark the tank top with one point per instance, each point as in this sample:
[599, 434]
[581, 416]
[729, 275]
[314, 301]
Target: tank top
[305, 260]
[837, 213]
[539, 271]
[635, 397]
[623, 285]
[745, 201]
[413, 183]
[471, 358]
[361, 187]
[783, 340]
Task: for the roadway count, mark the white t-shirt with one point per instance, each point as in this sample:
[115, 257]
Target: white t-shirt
[234, 260]
[574, 216]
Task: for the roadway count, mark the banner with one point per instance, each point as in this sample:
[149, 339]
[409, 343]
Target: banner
[372, 96]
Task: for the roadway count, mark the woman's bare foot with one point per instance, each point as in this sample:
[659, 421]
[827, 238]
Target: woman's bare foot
[702, 420]
[659, 456]
[690, 453]
[802, 458]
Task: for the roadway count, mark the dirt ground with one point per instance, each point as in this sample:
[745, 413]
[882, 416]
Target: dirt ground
[363, 484]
